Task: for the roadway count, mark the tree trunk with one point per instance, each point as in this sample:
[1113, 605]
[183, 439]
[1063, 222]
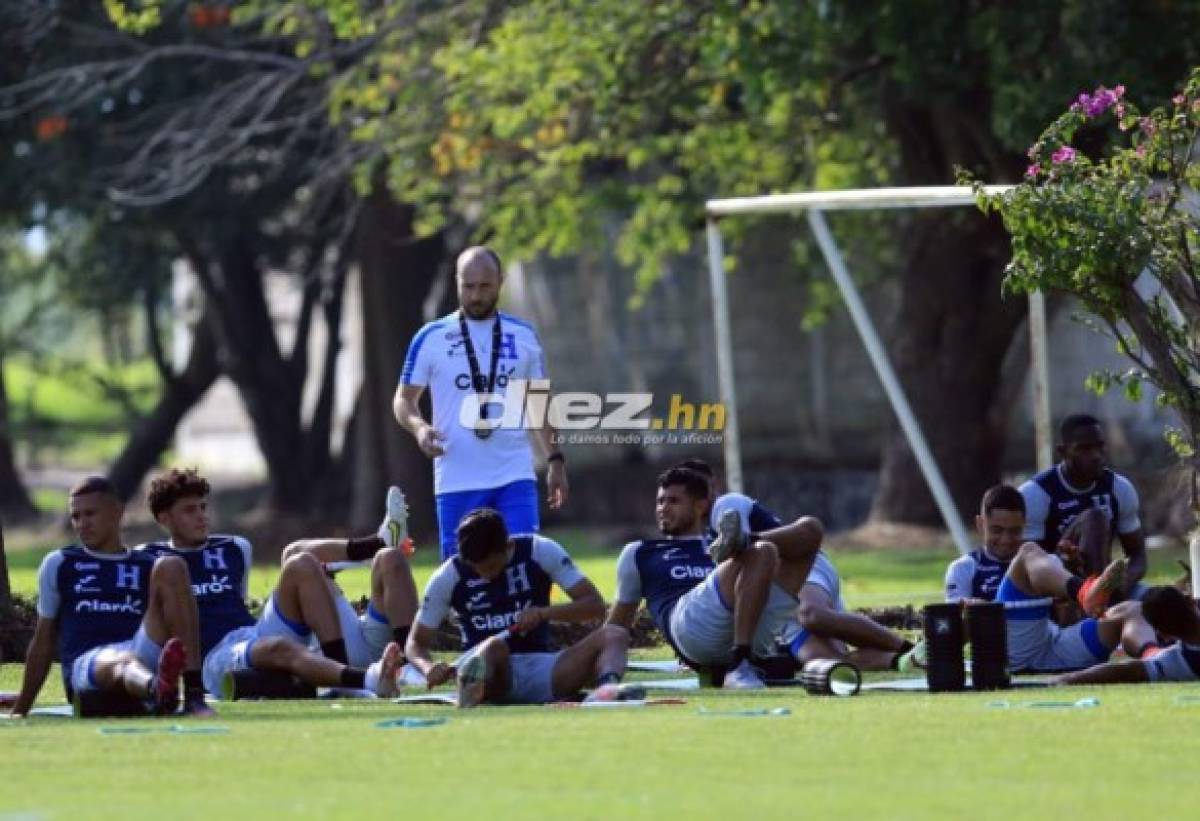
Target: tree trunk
[5, 586]
[948, 346]
[180, 394]
[397, 273]
[248, 352]
[15, 504]
[952, 325]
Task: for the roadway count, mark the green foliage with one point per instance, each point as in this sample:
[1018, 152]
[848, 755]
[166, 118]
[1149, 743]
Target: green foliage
[1105, 213]
[136, 16]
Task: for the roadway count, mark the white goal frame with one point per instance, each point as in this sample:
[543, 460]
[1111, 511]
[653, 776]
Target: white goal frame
[814, 204]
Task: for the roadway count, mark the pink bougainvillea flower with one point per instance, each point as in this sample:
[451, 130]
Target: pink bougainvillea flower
[1065, 154]
[1032, 171]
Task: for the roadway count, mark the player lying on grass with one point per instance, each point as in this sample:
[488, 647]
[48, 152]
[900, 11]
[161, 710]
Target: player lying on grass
[716, 605]
[231, 638]
[976, 576]
[393, 601]
[113, 615]
[1079, 504]
[820, 626]
[499, 587]
[1036, 644]
[1171, 613]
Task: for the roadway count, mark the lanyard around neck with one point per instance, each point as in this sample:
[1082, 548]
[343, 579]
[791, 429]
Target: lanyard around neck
[473, 361]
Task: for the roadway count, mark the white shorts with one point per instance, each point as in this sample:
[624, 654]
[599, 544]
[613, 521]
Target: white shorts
[532, 678]
[366, 636]
[232, 653]
[1036, 644]
[83, 670]
[1179, 662]
[701, 623]
[824, 576]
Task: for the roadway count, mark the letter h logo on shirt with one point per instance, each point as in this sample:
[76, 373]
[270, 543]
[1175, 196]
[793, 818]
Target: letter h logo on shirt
[128, 576]
[518, 579]
[213, 560]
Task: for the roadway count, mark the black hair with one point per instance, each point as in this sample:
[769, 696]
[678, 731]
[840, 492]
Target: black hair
[481, 533]
[1170, 611]
[95, 484]
[1071, 426]
[698, 465]
[696, 484]
[1003, 497]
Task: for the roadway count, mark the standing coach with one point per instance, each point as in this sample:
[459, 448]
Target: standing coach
[471, 353]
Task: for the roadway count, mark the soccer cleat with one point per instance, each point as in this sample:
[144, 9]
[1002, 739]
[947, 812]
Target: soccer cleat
[164, 688]
[198, 708]
[387, 669]
[743, 677]
[472, 680]
[1097, 590]
[394, 530]
[916, 658]
[731, 539]
[616, 692]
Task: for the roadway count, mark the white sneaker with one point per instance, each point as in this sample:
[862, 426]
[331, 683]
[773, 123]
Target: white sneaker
[731, 540]
[381, 675]
[394, 529]
[743, 677]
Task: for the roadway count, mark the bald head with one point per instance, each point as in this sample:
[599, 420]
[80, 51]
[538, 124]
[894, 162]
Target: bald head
[479, 278]
[479, 258]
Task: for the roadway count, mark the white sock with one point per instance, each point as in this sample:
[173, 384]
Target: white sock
[371, 679]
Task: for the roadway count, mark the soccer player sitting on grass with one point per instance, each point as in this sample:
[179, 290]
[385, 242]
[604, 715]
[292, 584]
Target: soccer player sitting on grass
[820, 626]
[1036, 644]
[499, 587]
[717, 605]
[119, 620]
[1077, 506]
[301, 605]
[393, 602]
[1172, 613]
[976, 576]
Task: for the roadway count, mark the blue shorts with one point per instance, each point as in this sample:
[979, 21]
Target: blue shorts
[517, 502]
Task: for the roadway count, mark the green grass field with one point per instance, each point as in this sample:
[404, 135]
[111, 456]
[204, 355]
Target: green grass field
[878, 755]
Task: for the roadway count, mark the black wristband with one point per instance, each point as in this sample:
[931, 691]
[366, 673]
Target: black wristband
[556, 456]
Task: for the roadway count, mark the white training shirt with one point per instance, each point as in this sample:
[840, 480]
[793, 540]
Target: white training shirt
[437, 360]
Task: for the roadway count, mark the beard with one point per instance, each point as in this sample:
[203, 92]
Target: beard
[480, 310]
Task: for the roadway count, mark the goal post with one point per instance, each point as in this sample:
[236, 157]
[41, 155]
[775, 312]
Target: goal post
[814, 204]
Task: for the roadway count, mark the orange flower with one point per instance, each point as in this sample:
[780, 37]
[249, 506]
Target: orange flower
[50, 127]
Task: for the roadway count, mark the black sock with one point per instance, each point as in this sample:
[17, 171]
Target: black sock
[400, 635]
[608, 678]
[335, 650]
[363, 547]
[193, 683]
[1073, 585]
[353, 678]
[741, 652]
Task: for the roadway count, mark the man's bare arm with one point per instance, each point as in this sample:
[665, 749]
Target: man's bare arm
[416, 650]
[557, 488]
[37, 664]
[407, 410]
[622, 615]
[1134, 545]
[1112, 672]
